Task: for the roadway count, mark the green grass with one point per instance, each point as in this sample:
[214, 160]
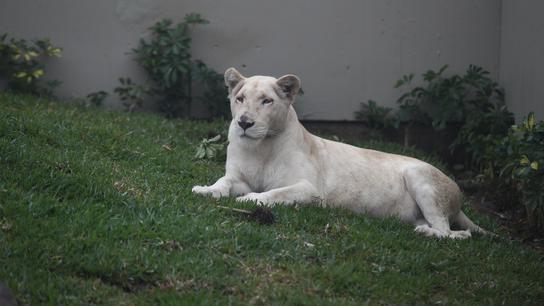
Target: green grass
[95, 210]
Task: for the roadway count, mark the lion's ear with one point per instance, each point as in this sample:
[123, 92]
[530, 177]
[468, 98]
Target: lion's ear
[289, 85]
[232, 78]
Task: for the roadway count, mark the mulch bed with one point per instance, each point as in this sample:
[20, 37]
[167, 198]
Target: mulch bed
[511, 221]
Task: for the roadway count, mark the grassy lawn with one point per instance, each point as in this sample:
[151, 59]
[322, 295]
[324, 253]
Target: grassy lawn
[96, 208]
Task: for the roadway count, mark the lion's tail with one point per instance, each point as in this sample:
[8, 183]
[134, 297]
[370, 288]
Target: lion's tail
[465, 223]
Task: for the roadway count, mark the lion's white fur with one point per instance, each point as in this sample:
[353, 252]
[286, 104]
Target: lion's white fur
[277, 161]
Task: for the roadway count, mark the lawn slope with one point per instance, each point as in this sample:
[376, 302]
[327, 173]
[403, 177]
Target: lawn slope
[96, 208]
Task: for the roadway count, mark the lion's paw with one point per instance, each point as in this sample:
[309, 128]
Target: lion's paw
[208, 191]
[257, 198]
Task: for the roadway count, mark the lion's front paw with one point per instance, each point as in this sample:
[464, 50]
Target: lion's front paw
[208, 190]
[258, 198]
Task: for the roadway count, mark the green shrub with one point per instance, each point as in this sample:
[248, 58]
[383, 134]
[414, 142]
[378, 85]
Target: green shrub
[377, 117]
[132, 94]
[21, 64]
[167, 59]
[442, 100]
[96, 98]
[520, 158]
[214, 92]
[480, 132]
[473, 101]
[486, 116]
[437, 103]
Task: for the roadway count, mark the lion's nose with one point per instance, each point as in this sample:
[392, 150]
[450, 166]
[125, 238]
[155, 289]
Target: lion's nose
[244, 122]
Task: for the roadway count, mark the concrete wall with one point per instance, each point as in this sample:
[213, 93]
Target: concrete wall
[345, 51]
[522, 56]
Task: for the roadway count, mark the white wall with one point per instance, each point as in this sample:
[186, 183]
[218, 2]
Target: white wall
[522, 56]
[345, 51]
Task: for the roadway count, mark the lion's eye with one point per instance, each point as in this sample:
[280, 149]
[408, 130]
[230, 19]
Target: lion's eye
[240, 99]
[267, 101]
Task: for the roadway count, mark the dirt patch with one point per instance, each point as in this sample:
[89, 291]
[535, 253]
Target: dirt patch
[511, 221]
[126, 284]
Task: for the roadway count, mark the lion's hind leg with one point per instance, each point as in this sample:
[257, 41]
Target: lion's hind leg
[435, 199]
[428, 231]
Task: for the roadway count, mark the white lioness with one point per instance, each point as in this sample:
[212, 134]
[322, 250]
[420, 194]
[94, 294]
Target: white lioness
[271, 158]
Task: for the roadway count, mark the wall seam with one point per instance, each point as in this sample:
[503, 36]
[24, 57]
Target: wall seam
[499, 47]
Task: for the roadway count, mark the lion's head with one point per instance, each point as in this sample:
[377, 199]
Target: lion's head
[260, 104]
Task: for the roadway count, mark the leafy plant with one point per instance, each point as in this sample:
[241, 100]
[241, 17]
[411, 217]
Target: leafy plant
[132, 94]
[439, 102]
[210, 148]
[486, 115]
[166, 57]
[480, 132]
[473, 101]
[214, 92]
[377, 117]
[520, 155]
[21, 64]
[97, 98]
